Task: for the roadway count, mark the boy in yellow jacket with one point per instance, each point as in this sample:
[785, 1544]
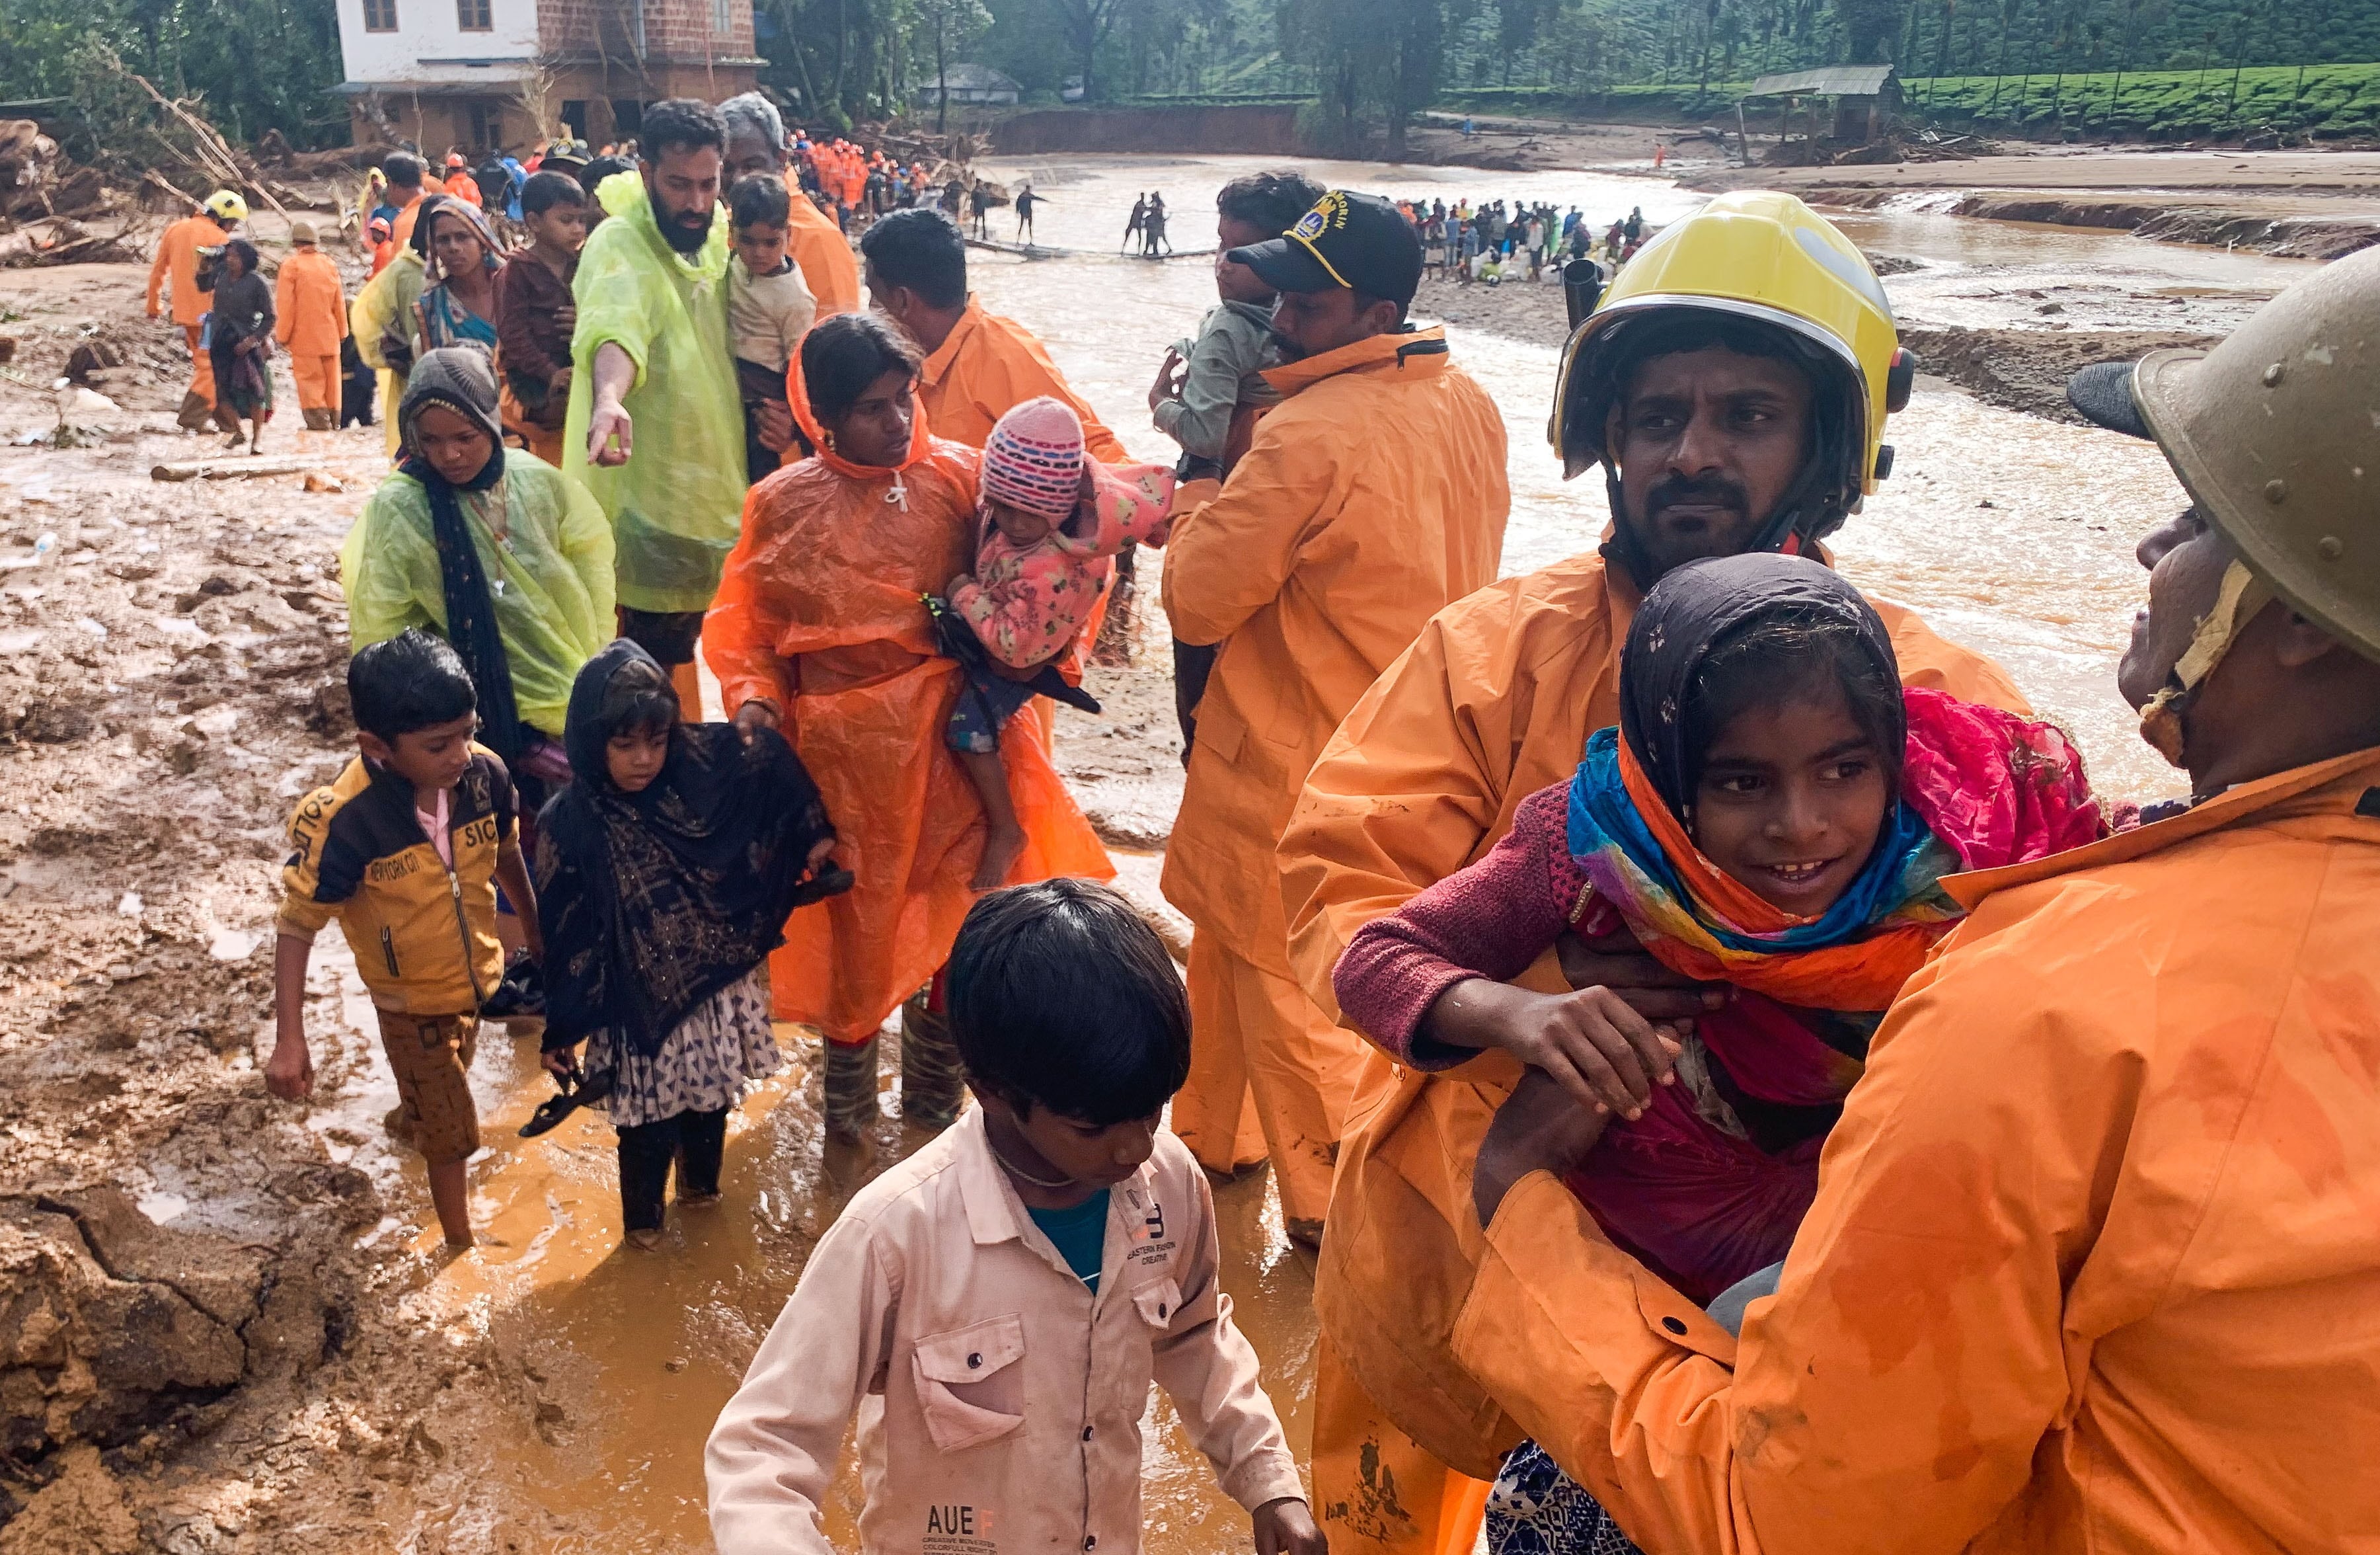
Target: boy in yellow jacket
[405, 849]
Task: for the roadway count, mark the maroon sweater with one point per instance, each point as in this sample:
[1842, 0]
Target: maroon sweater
[1489, 920]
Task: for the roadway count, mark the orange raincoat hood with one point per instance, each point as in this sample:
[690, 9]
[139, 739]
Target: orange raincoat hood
[817, 614]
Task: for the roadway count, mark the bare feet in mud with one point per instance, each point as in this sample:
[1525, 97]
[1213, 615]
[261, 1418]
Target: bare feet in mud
[1002, 848]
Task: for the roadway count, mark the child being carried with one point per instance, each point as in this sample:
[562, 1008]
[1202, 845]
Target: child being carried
[1051, 521]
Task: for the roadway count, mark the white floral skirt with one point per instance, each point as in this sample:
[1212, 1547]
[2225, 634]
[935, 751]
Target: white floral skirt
[704, 1063]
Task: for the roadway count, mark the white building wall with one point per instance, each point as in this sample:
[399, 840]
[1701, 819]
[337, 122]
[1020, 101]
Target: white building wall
[429, 30]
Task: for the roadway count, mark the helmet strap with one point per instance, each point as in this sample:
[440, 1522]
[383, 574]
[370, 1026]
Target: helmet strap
[2237, 603]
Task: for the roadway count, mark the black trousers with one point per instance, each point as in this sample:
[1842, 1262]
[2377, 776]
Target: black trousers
[695, 1141]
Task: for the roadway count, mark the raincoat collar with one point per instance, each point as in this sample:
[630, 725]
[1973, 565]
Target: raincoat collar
[2341, 783]
[1412, 350]
[920, 439]
[623, 197]
[994, 1213]
[939, 364]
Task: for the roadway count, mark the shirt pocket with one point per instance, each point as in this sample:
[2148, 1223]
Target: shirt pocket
[1159, 1302]
[970, 1388]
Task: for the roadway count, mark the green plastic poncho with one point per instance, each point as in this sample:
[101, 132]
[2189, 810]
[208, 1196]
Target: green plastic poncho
[386, 302]
[677, 505]
[552, 578]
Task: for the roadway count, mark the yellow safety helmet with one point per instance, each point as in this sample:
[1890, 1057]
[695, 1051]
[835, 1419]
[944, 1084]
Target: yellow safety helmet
[226, 205]
[1770, 261]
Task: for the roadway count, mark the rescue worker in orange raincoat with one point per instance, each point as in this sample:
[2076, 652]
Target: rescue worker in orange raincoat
[979, 365]
[1370, 497]
[408, 180]
[2094, 1262]
[1734, 385]
[756, 144]
[819, 630]
[177, 261]
[309, 306]
[459, 182]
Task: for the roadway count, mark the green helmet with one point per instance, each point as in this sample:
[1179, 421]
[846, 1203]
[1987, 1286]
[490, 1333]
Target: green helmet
[2276, 433]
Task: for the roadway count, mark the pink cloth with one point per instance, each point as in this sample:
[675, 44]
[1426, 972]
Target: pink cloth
[1029, 603]
[433, 822]
[1702, 1205]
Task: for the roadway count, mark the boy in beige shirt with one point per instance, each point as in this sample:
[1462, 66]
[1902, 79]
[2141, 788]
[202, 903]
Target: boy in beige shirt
[995, 1308]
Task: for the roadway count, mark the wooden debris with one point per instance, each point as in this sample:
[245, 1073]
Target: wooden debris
[231, 467]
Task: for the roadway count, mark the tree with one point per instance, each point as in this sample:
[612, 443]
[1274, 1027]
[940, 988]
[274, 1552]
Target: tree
[953, 25]
[1088, 24]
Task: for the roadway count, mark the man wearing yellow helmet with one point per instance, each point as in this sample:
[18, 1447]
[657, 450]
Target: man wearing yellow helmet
[1734, 384]
[177, 261]
[2094, 1262]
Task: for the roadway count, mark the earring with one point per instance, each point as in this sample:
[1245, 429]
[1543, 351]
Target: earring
[829, 439]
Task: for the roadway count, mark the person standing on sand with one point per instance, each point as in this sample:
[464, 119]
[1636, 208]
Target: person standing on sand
[1371, 496]
[239, 340]
[312, 307]
[209, 226]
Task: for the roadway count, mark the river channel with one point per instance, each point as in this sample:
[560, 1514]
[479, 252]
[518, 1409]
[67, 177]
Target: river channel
[2008, 532]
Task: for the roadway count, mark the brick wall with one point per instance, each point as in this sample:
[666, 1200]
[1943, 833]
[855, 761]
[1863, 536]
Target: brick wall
[675, 30]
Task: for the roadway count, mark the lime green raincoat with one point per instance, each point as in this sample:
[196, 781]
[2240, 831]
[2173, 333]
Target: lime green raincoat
[387, 302]
[551, 577]
[677, 504]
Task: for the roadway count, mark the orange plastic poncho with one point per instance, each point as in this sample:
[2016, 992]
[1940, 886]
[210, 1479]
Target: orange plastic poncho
[1372, 496]
[310, 305]
[829, 268]
[818, 613]
[1493, 702]
[2094, 1262]
[985, 368]
[177, 260]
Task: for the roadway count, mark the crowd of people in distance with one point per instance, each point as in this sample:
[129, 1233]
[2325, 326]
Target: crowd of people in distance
[1741, 1086]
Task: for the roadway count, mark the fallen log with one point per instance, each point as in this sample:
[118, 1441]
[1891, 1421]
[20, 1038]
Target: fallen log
[231, 468]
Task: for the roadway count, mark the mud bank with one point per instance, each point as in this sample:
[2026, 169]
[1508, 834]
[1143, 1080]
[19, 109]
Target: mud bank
[2217, 226]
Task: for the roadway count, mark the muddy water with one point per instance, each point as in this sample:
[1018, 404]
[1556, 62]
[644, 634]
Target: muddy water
[2011, 534]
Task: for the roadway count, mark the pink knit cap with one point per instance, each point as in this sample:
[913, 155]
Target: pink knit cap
[1034, 459]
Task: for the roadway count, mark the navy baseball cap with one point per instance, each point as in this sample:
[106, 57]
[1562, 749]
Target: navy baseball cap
[1358, 241]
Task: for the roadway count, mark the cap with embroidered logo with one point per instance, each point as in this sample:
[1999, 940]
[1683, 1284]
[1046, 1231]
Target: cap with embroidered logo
[1358, 241]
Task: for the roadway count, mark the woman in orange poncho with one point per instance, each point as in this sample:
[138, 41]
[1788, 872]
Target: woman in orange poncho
[819, 629]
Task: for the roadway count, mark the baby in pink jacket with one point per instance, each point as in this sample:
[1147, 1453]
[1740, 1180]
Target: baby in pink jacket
[1051, 521]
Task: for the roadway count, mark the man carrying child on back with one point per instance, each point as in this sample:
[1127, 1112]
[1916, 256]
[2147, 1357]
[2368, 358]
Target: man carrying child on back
[405, 848]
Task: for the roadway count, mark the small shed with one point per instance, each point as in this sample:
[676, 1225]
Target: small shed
[976, 85]
[1864, 97]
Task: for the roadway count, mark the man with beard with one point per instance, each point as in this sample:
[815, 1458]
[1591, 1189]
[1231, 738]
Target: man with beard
[656, 425]
[2093, 1263]
[1733, 385]
[1370, 497]
[755, 143]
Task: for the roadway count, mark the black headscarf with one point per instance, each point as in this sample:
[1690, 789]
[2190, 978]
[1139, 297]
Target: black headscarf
[461, 378]
[654, 901]
[1690, 612]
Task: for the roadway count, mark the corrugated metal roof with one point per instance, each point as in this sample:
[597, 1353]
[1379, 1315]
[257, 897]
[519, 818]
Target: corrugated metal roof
[1835, 81]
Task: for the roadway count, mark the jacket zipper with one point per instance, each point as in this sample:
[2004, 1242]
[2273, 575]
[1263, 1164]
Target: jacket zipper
[463, 927]
[388, 949]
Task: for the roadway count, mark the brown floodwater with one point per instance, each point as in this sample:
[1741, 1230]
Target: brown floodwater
[2012, 534]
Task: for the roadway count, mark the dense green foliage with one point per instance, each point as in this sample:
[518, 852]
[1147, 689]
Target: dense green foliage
[2155, 66]
[254, 64]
